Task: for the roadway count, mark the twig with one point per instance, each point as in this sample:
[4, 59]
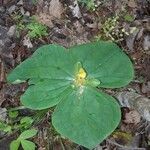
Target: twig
[124, 147]
[62, 145]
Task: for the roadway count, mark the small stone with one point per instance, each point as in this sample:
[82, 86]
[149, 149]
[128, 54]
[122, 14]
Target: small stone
[75, 10]
[2, 22]
[131, 38]
[11, 31]
[22, 10]
[27, 42]
[56, 8]
[8, 2]
[3, 114]
[28, 5]
[27, 13]
[146, 44]
[5, 41]
[11, 9]
[3, 32]
[20, 2]
[148, 84]
[2, 9]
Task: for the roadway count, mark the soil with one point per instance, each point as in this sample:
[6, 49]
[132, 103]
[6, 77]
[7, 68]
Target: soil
[70, 23]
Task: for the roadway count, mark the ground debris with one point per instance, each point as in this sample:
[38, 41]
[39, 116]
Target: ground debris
[27, 42]
[75, 9]
[135, 101]
[71, 23]
[47, 12]
[132, 117]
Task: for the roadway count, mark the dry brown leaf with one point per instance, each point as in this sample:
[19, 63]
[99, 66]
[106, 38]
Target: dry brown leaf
[132, 3]
[132, 117]
[2, 71]
[47, 12]
[2, 99]
[45, 19]
[79, 27]
[56, 9]
[137, 102]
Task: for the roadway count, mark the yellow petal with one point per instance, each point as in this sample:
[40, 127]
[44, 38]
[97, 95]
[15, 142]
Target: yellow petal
[81, 73]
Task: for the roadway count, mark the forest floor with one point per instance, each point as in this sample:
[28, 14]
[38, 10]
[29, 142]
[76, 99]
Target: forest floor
[68, 23]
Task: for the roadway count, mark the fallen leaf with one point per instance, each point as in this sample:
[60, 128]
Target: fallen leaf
[75, 9]
[123, 138]
[45, 19]
[2, 71]
[132, 3]
[79, 27]
[132, 117]
[135, 101]
[56, 9]
[47, 12]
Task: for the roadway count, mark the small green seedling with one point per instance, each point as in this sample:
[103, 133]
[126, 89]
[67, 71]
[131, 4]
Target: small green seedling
[33, 27]
[4, 127]
[15, 123]
[90, 4]
[129, 18]
[72, 79]
[22, 139]
[20, 24]
[13, 114]
[34, 1]
[36, 30]
[25, 123]
[113, 30]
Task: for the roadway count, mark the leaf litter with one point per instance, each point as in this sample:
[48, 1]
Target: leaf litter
[72, 24]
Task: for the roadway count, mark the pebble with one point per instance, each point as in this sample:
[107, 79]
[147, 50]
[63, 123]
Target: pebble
[11, 9]
[2, 22]
[146, 44]
[3, 114]
[3, 32]
[2, 9]
[27, 13]
[27, 42]
[12, 30]
[20, 2]
[22, 10]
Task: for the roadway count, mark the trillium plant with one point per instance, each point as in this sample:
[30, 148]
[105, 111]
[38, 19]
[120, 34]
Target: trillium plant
[72, 80]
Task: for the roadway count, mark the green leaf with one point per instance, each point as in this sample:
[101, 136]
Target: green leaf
[13, 114]
[27, 134]
[48, 77]
[26, 122]
[36, 30]
[8, 128]
[14, 145]
[129, 18]
[51, 71]
[27, 145]
[86, 118]
[50, 93]
[5, 127]
[106, 62]
[69, 77]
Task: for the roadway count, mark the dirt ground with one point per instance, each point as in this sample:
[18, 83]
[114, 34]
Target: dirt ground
[68, 23]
